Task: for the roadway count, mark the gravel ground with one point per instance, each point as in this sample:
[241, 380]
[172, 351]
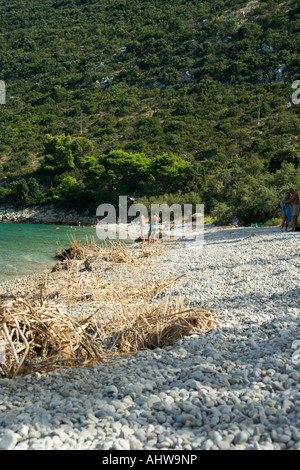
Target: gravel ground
[234, 388]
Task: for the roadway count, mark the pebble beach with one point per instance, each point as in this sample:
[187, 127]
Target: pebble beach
[236, 387]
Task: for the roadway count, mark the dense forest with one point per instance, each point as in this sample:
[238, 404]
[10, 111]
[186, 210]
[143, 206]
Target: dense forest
[186, 101]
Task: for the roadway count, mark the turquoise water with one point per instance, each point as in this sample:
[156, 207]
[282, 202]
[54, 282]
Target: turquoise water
[31, 248]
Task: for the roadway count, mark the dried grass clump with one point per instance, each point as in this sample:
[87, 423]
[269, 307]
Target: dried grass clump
[38, 337]
[42, 336]
[74, 287]
[38, 334]
[75, 252]
[115, 253]
[162, 325]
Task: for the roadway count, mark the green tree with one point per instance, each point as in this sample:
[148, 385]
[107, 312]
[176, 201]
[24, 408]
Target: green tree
[125, 173]
[4, 193]
[255, 201]
[68, 191]
[222, 213]
[58, 156]
[82, 149]
[26, 193]
[167, 173]
[287, 155]
[19, 192]
[34, 193]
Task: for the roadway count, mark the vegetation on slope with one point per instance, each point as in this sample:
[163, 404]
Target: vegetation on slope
[185, 102]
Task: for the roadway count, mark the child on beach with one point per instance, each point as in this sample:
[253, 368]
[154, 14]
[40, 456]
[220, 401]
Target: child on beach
[286, 212]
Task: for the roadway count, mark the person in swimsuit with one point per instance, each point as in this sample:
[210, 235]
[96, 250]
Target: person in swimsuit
[294, 202]
[286, 211]
[153, 227]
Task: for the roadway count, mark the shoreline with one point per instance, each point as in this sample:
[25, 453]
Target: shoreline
[215, 233]
[45, 215]
[45, 270]
[236, 387]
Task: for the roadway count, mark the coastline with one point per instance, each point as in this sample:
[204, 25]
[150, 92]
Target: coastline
[211, 232]
[235, 387]
[45, 215]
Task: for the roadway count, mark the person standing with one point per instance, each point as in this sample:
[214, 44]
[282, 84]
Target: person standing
[294, 203]
[153, 227]
[286, 211]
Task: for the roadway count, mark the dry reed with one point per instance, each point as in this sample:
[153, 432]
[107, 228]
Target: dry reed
[161, 325]
[115, 252]
[40, 335]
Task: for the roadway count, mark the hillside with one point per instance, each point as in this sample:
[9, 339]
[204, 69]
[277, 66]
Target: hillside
[150, 98]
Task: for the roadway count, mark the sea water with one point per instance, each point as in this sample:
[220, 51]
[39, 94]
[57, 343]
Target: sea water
[31, 248]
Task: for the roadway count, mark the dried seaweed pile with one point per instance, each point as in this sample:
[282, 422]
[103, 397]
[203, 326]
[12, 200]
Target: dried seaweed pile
[44, 337]
[41, 336]
[40, 333]
[161, 325]
[115, 253]
[75, 287]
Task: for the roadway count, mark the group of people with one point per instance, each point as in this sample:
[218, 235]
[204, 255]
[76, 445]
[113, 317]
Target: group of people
[290, 212]
[155, 219]
[154, 227]
[290, 209]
